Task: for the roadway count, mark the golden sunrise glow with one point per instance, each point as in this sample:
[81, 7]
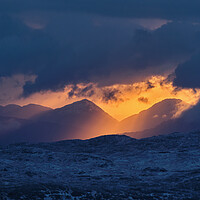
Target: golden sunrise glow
[128, 100]
[131, 105]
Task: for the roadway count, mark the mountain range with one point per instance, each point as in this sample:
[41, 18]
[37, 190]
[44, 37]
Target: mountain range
[22, 112]
[84, 119]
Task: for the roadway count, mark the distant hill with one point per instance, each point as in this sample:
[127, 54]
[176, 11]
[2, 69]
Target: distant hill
[13, 117]
[22, 112]
[150, 118]
[82, 119]
[187, 122]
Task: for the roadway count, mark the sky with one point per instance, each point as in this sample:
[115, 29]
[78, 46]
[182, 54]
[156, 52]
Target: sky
[124, 55]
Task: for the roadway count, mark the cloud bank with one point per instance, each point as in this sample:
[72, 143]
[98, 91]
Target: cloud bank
[102, 42]
[167, 9]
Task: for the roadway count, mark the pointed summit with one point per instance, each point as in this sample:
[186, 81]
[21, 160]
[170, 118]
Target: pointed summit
[82, 102]
[80, 109]
[84, 105]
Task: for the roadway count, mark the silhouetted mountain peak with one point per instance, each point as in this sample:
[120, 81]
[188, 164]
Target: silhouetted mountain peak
[165, 103]
[84, 102]
[12, 106]
[22, 112]
[36, 106]
[153, 116]
[81, 106]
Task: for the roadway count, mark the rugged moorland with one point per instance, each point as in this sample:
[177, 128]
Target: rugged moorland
[106, 167]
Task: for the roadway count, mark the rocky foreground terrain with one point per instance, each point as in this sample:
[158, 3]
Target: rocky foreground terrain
[107, 167]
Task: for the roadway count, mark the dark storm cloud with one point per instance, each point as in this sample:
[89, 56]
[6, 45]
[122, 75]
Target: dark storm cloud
[86, 91]
[99, 54]
[170, 42]
[22, 50]
[105, 94]
[61, 47]
[111, 95]
[168, 9]
[188, 73]
[74, 48]
[143, 99]
[149, 85]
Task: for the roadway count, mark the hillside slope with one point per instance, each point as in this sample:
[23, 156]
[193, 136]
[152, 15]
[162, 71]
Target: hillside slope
[150, 118]
[82, 119]
[22, 112]
[188, 121]
[107, 167]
